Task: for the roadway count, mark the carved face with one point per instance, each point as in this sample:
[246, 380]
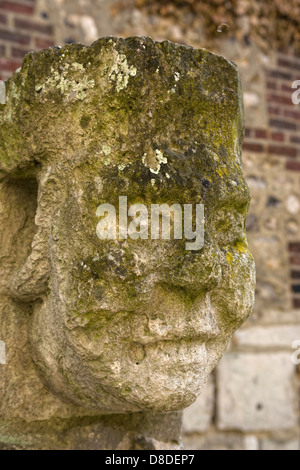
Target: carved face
[130, 325]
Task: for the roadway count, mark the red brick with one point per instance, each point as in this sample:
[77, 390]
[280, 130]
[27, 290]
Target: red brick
[273, 110]
[3, 19]
[19, 53]
[284, 51]
[261, 133]
[296, 55]
[283, 150]
[9, 65]
[280, 99]
[253, 147]
[287, 88]
[248, 132]
[33, 26]
[291, 114]
[295, 139]
[293, 166]
[279, 74]
[295, 260]
[271, 85]
[16, 7]
[278, 136]
[42, 43]
[14, 37]
[295, 274]
[294, 247]
[283, 63]
[282, 124]
[296, 303]
[290, 65]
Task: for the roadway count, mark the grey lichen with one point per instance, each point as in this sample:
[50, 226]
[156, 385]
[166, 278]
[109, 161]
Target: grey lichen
[72, 89]
[120, 71]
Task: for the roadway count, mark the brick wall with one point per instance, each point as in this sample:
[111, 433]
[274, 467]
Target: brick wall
[281, 137]
[21, 30]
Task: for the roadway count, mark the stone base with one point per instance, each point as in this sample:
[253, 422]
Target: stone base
[135, 431]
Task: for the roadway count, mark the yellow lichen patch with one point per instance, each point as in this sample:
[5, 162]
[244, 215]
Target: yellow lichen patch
[229, 257]
[241, 247]
[222, 171]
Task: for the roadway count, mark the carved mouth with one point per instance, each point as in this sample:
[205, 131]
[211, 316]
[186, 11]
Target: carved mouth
[195, 330]
[167, 354]
[197, 338]
[198, 326]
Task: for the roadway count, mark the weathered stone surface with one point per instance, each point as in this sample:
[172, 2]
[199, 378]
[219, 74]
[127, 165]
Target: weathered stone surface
[130, 431]
[253, 387]
[198, 416]
[114, 326]
[266, 177]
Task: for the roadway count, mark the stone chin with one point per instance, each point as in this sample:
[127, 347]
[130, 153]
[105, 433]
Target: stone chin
[159, 376]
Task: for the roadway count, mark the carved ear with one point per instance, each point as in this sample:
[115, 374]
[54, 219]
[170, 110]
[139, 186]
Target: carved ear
[30, 282]
[22, 239]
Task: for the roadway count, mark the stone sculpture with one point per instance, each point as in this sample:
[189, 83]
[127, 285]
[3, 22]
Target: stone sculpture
[95, 327]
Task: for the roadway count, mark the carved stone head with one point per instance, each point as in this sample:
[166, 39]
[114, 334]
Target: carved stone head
[128, 324]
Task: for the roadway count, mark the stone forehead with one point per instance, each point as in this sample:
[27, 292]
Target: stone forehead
[126, 98]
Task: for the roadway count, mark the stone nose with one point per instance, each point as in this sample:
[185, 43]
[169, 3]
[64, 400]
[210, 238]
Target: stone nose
[198, 272]
[173, 319]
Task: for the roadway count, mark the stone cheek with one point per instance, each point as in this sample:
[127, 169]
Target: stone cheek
[120, 326]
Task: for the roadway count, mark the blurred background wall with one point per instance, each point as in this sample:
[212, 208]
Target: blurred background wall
[252, 399]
